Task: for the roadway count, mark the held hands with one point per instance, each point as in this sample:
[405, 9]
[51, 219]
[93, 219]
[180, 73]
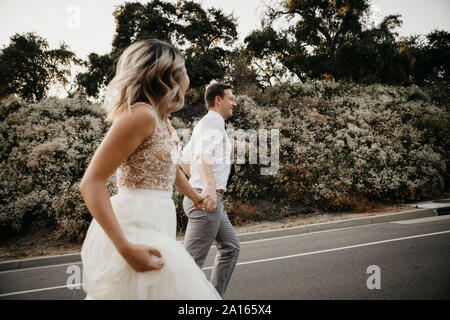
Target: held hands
[210, 199]
[142, 258]
[198, 200]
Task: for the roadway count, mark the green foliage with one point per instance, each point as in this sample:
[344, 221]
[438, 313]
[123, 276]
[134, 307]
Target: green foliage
[201, 34]
[374, 56]
[45, 149]
[99, 73]
[431, 63]
[136, 21]
[28, 67]
[332, 40]
[308, 47]
[318, 39]
[240, 74]
[340, 145]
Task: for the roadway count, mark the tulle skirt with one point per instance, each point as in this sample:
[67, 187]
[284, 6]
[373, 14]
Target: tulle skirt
[146, 217]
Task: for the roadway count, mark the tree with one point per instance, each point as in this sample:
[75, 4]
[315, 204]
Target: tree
[205, 33]
[431, 63]
[100, 72]
[439, 49]
[200, 34]
[329, 39]
[309, 47]
[375, 56]
[240, 74]
[136, 21]
[28, 67]
[265, 48]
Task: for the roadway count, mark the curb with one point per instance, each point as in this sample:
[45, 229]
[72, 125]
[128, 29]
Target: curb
[323, 226]
[243, 237]
[39, 262]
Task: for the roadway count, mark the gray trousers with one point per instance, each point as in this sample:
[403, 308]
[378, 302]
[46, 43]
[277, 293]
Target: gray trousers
[203, 228]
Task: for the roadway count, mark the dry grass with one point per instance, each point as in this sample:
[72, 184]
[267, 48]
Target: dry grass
[36, 244]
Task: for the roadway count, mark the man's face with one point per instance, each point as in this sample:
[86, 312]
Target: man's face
[227, 103]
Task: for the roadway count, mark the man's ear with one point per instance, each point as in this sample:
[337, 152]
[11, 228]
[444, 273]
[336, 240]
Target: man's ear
[216, 99]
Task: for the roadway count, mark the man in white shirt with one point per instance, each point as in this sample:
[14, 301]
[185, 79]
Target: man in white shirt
[207, 159]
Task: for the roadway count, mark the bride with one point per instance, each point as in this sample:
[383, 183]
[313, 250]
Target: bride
[130, 250]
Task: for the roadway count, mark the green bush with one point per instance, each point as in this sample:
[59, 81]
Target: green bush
[45, 149]
[340, 145]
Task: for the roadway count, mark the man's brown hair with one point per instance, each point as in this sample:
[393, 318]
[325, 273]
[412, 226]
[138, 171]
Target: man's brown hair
[214, 90]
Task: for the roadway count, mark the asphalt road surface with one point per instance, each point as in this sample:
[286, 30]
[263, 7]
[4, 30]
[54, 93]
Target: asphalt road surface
[399, 260]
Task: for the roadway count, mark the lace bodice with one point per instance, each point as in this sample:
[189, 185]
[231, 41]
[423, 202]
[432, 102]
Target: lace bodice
[154, 163]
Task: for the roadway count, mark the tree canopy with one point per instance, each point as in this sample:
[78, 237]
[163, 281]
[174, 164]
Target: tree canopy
[303, 39]
[202, 35]
[28, 66]
[431, 62]
[328, 39]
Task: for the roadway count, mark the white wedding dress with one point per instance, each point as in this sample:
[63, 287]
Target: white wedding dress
[146, 214]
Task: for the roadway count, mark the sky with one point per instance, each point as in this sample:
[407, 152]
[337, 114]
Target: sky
[88, 25]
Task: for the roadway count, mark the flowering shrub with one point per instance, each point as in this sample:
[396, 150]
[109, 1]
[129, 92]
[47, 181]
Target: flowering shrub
[341, 146]
[45, 149]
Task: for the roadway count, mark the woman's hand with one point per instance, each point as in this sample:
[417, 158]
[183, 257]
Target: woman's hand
[198, 200]
[210, 198]
[142, 258]
[185, 187]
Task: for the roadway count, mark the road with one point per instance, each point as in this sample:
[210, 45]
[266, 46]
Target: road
[407, 259]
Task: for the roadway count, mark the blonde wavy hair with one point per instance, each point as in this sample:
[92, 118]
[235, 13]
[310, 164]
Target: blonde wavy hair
[147, 71]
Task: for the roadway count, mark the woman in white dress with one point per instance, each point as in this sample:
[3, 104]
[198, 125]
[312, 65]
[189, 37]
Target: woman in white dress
[130, 250]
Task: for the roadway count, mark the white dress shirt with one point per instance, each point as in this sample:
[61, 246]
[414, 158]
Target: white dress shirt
[209, 137]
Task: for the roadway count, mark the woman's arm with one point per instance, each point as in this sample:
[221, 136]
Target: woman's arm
[186, 166]
[125, 135]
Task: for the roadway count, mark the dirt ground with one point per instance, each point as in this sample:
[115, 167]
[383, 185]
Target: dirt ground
[45, 243]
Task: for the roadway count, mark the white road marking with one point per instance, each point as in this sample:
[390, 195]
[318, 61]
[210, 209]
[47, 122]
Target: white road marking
[337, 249]
[427, 219]
[38, 290]
[269, 259]
[212, 247]
[42, 267]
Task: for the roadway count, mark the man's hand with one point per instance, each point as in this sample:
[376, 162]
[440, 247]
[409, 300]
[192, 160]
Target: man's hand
[210, 199]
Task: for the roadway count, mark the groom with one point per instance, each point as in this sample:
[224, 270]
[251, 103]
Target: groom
[207, 159]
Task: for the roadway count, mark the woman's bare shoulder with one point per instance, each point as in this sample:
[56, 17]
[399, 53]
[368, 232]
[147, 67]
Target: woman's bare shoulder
[141, 117]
